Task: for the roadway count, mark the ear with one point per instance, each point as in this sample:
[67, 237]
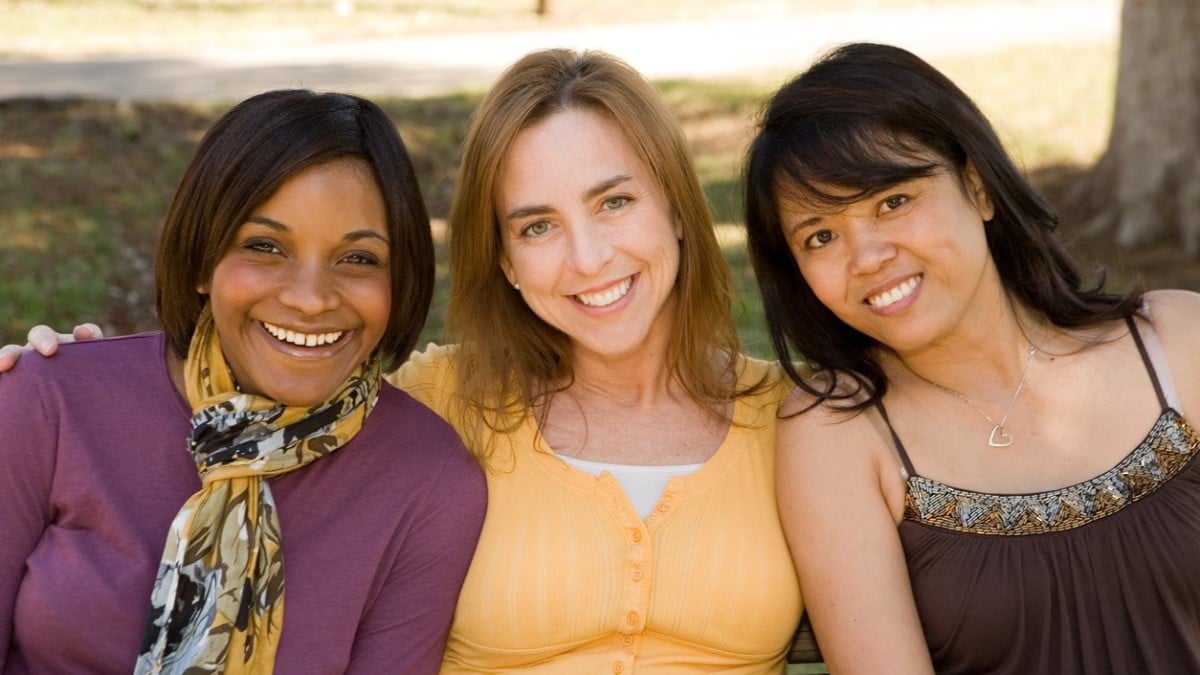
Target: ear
[977, 192]
[507, 268]
[677, 226]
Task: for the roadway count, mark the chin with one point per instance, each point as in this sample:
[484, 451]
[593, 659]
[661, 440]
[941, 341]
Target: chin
[299, 397]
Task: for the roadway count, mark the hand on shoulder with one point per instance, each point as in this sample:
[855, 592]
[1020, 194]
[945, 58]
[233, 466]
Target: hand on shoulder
[44, 340]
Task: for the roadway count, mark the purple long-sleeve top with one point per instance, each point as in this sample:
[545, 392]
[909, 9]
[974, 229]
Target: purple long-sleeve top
[377, 537]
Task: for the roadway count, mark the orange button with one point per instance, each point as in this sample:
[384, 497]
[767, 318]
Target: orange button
[637, 574]
[618, 667]
[626, 640]
[637, 535]
[632, 618]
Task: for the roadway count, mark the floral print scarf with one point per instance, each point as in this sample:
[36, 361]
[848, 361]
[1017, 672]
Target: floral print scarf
[217, 604]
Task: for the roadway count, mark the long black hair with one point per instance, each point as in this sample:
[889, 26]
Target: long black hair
[860, 120]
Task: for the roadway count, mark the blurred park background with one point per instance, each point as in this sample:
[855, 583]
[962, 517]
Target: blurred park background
[103, 101]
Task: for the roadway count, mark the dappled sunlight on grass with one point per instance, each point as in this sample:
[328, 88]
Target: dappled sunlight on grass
[21, 151]
[84, 184]
[1051, 105]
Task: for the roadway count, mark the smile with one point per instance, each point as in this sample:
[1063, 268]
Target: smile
[605, 298]
[895, 295]
[302, 339]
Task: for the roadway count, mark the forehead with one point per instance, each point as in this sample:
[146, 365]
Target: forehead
[328, 198]
[569, 149]
[321, 181]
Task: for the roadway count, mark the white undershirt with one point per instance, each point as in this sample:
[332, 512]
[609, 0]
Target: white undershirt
[643, 484]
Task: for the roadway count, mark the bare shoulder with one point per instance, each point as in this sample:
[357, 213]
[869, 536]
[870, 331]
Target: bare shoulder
[821, 437]
[1174, 310]
[1175, 316]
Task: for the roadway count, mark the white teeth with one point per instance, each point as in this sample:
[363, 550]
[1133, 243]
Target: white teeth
[607, 297]
[895, 295]
[302, 339]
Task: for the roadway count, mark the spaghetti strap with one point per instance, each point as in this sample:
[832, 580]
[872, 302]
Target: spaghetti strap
[908, 467]
[1137, 339]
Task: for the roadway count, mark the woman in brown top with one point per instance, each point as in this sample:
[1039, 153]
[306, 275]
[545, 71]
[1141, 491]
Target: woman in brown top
[991, 471]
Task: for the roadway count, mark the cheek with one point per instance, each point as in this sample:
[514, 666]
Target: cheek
[229, 287]
[532, 267]
[823, 280]
[375, 304]
[672, 257]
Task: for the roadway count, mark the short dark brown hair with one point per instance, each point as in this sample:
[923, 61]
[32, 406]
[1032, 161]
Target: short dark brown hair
[246, 156]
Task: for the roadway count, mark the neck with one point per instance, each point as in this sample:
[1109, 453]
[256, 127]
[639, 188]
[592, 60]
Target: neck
[989, 355]
[640, 377]
[638, 380]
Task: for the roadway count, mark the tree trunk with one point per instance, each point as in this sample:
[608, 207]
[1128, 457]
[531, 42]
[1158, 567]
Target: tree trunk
[1152, 165]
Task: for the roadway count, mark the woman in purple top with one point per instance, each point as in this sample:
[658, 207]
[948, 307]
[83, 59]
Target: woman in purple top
[162, 495]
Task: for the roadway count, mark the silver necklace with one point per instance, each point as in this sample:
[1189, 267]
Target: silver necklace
[999, 437]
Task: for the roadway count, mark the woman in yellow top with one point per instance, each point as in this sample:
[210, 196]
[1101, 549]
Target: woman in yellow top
[629, 446]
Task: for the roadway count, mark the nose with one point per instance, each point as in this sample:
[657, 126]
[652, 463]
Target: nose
[590, 248]
[309, 288]
[871, 249]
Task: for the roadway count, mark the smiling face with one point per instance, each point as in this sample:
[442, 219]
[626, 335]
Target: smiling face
[908, 265]
[303, 294]
[588, 235]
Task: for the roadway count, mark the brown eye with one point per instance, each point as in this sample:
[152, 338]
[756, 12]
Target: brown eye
[260, 246]
[894, 202]
[361, 258]
[819, 239]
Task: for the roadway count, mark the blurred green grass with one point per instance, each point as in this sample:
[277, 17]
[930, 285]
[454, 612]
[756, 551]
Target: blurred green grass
[84, 184]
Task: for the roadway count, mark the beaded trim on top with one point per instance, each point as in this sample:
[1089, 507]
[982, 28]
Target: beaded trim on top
[1169, 446]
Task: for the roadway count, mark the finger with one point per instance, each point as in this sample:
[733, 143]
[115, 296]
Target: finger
[45, 340]
[9, 354]
[87, 331]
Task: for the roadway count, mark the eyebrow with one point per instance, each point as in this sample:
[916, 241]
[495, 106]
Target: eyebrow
[591, 193]
[810, 221]
[356, 235]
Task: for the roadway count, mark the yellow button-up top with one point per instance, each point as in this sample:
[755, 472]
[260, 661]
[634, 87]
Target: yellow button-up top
[568, 579]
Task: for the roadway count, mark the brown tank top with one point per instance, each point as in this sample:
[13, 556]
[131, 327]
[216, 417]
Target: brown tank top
[1098, 577]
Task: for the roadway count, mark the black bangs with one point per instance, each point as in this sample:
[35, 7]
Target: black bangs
[842, 162]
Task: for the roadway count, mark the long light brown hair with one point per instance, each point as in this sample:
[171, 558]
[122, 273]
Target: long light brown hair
[509, 360]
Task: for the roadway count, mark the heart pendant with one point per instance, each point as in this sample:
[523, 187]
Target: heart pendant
[1000, 437]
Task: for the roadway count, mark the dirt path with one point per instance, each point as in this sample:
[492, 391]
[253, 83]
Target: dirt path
[769, 46]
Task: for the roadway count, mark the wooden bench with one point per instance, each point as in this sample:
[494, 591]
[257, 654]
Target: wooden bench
[804, 656]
